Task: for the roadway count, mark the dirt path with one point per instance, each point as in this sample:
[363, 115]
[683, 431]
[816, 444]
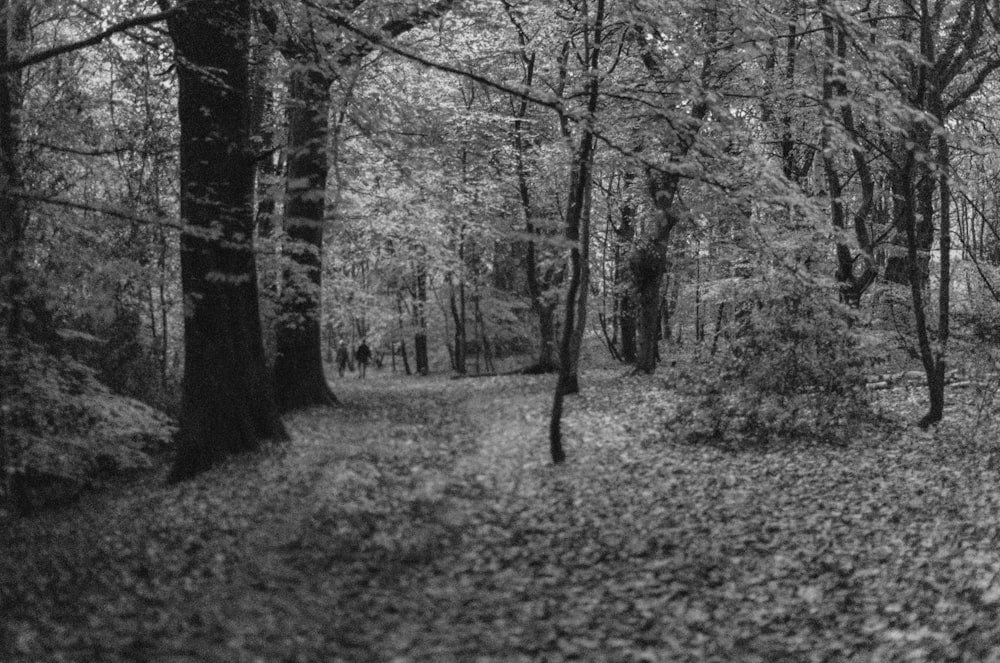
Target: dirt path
[311, 553]
[422, 522]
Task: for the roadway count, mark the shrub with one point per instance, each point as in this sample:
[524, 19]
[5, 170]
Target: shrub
[793, 368]
[62, 429]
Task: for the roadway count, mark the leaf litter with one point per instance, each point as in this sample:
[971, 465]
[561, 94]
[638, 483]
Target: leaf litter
[423, 522]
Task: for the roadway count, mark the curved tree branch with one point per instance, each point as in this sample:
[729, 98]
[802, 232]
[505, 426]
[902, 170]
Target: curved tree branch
[93, 40]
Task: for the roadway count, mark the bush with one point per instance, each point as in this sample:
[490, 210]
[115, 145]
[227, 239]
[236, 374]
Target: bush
[63, 430]
[974, 300]
[793, 368]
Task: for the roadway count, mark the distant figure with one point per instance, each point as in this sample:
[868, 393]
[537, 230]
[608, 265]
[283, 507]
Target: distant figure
[343, 356]
[363, 355]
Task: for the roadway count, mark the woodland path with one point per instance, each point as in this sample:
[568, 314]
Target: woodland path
[421, 521]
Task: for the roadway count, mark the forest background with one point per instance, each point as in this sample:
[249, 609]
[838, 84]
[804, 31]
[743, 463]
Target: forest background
[199, 203]
[750, 251]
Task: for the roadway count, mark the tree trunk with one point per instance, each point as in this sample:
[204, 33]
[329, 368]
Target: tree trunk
[546, 337]
[268, 174]
[852, 285]
[13, 214]
[227, 405]
[13, 225]
[402, 341]
[299, 376]
[623, 289]
[649, 259]
[647, 267]
[580, 328]
[577, 219]
[458, 314]
[420, 319]
[936, 377]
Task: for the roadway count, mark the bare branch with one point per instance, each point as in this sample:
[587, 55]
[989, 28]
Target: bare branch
[107, 210]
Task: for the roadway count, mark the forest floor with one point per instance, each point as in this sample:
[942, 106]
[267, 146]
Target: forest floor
[422, 521]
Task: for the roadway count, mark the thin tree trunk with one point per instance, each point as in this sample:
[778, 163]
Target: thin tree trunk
[457, 314]
[936, 379]
[542, 308]
[402, 340]
[580, 327]
[624, 293]
[420, 318]
[577, 219]
[852, 285]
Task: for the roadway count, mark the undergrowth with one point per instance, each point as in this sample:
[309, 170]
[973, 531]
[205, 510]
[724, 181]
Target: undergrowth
[63, 430]
[793, 369]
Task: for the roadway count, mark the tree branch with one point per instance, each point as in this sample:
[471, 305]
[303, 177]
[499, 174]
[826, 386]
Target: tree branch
[379, 41]
[93, 40]
[107, 210]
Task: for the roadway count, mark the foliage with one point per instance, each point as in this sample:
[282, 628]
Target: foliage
[63, 430]
[794, 367]
[976, 306]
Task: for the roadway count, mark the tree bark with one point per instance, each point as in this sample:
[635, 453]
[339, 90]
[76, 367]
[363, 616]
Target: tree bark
[227, 404]
[14, 17]
[580, 328]
[420, 321]
[577, 218]
[402, 339]
[647, 265]
[458, 315]
[853, 284]
[649, 259]
[544, 309]
[299, 375]
[936, 376]
[623, 288]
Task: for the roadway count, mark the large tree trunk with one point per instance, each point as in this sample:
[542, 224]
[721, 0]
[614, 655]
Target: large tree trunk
[13, 214]
[227, 405]
[299, 377]
[13, 224]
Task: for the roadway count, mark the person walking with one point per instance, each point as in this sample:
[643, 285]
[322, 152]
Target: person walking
[343, 356]
[362, 355]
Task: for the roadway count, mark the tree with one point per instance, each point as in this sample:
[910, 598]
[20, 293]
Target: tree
[14, 17]
[577, 227]
[319, 54]
[663, 180]
[538, 281]
[853, 281]
[227, 402]
[947, 58]
[299, 377]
